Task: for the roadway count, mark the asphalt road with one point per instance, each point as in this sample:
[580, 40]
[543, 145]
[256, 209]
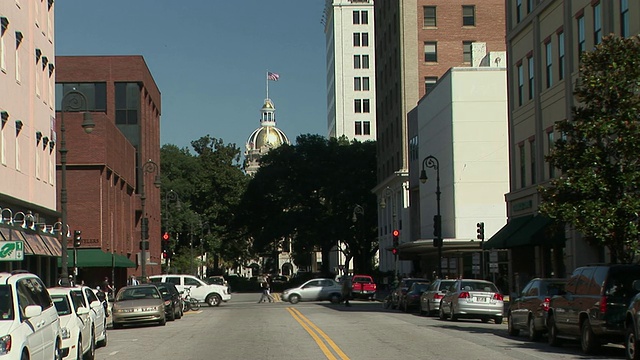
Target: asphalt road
[244, 329]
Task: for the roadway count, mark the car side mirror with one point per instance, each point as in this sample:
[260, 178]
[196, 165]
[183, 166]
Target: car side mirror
[82, 310]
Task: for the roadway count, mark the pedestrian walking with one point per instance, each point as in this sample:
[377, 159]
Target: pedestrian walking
[347, 286]
[266, 292]
[106, 287]
[133, 281]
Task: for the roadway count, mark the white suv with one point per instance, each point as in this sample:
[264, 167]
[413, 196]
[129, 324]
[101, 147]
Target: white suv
[29, 323]
[211, 294]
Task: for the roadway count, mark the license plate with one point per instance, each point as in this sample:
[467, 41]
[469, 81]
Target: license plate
[480, 299]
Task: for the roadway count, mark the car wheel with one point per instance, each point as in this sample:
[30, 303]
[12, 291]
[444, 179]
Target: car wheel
[294, 299]
[335, 298]
[484, 319]
[452, 315]
[534, 335]
[162, 322]
[631, 344]
[91, 354]
[25, 356]
[553, 332]
[79, 354]
[57, 352]
[497, 320]
[511, 329]
[443, 316]
[588, 342]
[387, 302]
[214, 300]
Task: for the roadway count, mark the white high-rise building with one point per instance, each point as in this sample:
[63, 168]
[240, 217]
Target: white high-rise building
[351, 91]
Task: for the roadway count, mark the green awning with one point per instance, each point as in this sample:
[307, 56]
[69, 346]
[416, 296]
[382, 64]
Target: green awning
[535, 232]
[98, 258]
[500, 239]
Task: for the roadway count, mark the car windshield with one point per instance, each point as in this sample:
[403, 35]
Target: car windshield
[420, 287]
[6, 303]
[478, 286]
[62, 304]
[137, 293]
[446, 284]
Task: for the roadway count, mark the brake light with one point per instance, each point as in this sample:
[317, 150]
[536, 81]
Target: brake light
[438, 296]
[464, 295]
[545, 304]
[603, 305]
[497, 296]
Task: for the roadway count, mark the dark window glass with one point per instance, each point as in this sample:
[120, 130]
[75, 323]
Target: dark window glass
[356, 62]
[364, 17]
[584, 280]
[366, 128]
[365, 61]
[127, 103]
[357, 105]
[561, 55]
[365, 83]
[356, 39]
[358, 127]
[365, 39]
[520, 84]
[624, 18]
[468, 15]
[581, 36]
[518, 11]
[357, 84]
[366, 106]
[466, 51]
[356, 17]
[431, 51]
[597, 24]
[95, 94]
[430, 83]
[429, 16]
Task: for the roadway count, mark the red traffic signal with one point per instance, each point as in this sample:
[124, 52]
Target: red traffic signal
[165, 236]
[394, 251]
[165, 255]
[396, 233]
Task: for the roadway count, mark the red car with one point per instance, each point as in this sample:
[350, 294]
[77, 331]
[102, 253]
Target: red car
[363, 287]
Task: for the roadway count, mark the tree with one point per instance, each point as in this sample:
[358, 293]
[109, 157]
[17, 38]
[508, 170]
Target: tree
[599, 152]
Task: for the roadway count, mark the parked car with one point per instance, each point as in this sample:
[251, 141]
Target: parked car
[75, 322]
[314, 290]
[106, 304]
[363, 287]
[593, 306]
[97, 313]
[529, 310]
[472, 299]
[138, 304]
[25, 301]
[632, 325]
[212, 294]
[430, 299]
[402, 288]
[411, 300]
[172, 300]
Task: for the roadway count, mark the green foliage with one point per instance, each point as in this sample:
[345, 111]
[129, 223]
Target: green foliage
[599, 153]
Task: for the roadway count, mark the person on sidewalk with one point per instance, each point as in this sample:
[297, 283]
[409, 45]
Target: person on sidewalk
[347, 286]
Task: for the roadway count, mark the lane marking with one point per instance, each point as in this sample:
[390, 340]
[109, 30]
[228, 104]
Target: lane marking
[307, 324]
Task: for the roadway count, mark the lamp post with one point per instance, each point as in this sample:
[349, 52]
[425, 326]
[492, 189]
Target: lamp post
[383, 204]
[205, 225]
[71, 101]
[170, 196]
[433, 163]
[149, 167]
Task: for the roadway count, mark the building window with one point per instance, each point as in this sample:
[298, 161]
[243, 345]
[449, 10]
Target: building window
[17, 57]
[581, 35]
[529, 6]
[597, 24]
[466, 52]
[430, 51]
[520, 83]
[561, 55]
[550, 144]
[365, 39]
[531, 73]
[523, 169]
[95, 93]
[468, 15]
[127, 103]
[429, 83]
[357, 84]
[518, 11]
[365, 61]
[365, 83]
[357, 106]
[356, 17]
[363, 128]
[366, 106]
[532, 150]
[356, 62]
[624, 18]
[549, 64]
[364, 17]
[356, 39]
[5, 23]
[429, 17]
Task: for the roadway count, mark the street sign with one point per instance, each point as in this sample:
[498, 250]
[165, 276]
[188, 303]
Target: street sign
[493, 267]
[475, 269]
[476, 258]
[11, 250]
[493, 256]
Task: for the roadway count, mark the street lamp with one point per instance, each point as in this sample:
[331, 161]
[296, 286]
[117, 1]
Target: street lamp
[383, 204]
[148, 167]
[71, 101]
[433, 163]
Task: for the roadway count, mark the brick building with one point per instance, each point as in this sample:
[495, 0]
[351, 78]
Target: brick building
[104, 172]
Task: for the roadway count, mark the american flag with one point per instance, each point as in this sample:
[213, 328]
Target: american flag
[273, 76]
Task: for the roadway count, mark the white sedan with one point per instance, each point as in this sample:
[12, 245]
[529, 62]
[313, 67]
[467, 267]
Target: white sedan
[75, 323]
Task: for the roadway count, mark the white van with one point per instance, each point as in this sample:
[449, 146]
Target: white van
[211, 294]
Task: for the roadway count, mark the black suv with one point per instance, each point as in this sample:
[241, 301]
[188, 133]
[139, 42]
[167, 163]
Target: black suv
[592, 307]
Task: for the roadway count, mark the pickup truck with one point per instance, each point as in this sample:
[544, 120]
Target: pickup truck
[363, 287]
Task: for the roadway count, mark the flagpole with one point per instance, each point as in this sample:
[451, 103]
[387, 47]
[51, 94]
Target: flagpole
[267, 78]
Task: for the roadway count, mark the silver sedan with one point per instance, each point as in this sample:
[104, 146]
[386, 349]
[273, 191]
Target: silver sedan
[472, 299]
[430, 299]
[138, 304]
[314, 290]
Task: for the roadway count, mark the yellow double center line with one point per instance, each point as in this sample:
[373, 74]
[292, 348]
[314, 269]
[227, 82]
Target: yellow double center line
[314, 331]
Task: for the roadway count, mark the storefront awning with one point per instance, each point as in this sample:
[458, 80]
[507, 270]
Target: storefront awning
[98, 258]
[499, 240]
[53, 243]
[34, 245]
[525, 231]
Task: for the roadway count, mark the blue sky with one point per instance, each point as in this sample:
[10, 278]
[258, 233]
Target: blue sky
[210, 57]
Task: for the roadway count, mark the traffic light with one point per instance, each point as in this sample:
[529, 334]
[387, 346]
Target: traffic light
[77, 238]
[394, 251]
[165, 236]
[396, 238]
[480, 227]
[165, 255]
[437, 226]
